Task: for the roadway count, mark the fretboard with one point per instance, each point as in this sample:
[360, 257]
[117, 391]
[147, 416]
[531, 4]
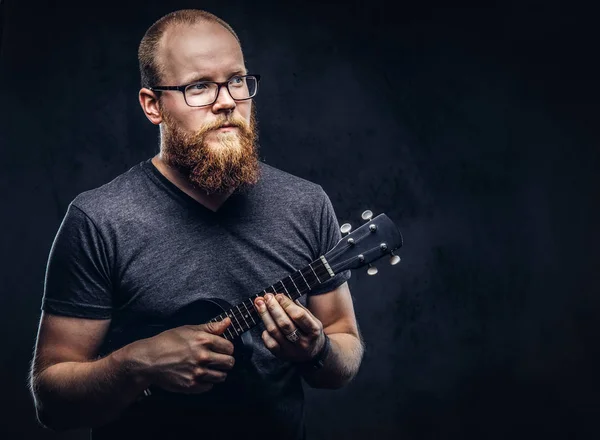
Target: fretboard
[244, 315]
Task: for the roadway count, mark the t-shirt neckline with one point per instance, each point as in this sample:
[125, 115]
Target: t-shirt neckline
[179, 195]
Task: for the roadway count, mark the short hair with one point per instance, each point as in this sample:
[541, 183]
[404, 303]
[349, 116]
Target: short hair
[150, 69]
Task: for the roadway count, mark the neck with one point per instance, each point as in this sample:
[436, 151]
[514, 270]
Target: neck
[210, 201]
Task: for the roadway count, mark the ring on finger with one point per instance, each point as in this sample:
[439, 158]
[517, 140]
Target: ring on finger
[293, 336]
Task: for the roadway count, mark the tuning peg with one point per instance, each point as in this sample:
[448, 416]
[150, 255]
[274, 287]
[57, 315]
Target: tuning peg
[372, 270]
[345, 228]
[394, 259]
[367, 215]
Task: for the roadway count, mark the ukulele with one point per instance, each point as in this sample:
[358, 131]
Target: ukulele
[378, 237]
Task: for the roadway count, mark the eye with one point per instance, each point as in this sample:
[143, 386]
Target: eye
[237, 81]
[198, 86]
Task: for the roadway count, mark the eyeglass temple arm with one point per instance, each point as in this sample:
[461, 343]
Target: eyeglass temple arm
[162, 88]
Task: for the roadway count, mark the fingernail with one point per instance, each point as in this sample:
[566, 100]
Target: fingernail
[279, 297]
[260, 304]
[268, 297]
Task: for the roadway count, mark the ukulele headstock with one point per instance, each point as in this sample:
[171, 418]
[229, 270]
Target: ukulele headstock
[378, 237]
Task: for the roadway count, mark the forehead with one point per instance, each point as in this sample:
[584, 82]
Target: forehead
[206, 50]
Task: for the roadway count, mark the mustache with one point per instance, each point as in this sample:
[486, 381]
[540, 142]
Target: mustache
[231, 122]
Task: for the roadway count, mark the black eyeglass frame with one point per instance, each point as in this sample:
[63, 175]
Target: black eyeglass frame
[219, 85]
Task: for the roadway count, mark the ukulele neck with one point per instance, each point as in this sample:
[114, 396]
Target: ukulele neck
[244, 315]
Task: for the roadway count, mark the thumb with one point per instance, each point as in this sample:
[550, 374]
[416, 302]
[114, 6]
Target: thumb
[216, 328]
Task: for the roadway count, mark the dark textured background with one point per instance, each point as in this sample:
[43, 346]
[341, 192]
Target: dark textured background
[474, 127]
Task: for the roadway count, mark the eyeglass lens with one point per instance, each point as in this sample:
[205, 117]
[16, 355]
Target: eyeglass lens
[205, 93]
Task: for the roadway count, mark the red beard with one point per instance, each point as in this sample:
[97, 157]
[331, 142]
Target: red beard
[230, 162]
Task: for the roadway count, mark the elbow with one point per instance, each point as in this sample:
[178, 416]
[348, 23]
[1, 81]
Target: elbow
[45, 406]
[47, 417]
[50, 422]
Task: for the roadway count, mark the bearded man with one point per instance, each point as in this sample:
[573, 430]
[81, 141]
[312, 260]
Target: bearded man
[205, 218]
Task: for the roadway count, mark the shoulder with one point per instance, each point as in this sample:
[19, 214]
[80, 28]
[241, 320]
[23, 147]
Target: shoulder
[117, 196]
[289, 185]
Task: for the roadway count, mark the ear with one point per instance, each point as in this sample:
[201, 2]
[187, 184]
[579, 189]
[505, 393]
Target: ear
[149, 102]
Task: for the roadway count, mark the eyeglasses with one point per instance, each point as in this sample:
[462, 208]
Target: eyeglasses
[203, 93]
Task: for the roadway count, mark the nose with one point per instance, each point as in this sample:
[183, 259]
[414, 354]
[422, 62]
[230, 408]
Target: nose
[224, 100]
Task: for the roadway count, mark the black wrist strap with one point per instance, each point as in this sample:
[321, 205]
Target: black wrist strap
[318, 361]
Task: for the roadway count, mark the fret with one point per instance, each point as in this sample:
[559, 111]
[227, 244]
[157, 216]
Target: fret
[238, 322]
[317, 276]
[288, 289]
[249, 313]
[287, 285]
[228, 328]
[297, 290]
[308, 285]
[238, 307]
[284, 288]
[237, 333]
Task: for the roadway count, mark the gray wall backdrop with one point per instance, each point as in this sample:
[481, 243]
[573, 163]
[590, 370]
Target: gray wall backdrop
[473, 126]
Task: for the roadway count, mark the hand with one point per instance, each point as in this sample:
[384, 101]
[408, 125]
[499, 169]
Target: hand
[188, 359]
[281, 317]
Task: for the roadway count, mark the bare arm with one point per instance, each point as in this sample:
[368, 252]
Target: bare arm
[336, 312]
[73, 389]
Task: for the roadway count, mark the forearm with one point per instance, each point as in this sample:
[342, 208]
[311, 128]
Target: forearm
[86, 394]
[340, 365]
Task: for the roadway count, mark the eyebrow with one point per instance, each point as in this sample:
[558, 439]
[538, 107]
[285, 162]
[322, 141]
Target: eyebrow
[198, 77]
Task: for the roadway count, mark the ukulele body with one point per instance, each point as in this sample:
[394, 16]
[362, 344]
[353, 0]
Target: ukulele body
[237, 406]
[168, 411]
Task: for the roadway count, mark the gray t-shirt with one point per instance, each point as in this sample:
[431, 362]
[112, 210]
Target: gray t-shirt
[139, 249]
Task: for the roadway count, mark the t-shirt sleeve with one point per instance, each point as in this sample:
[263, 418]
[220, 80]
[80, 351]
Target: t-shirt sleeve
[78, 279]
[329, 235]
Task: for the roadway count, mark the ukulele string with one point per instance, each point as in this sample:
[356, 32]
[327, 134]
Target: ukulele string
[319, 272]
[239, 315]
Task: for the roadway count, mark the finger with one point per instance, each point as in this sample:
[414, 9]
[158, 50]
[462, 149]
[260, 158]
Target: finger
[219, 344]
[301, 316]
[302, 306]
[281, 318]
[219, 361]
[267, 319]
[207, 375]
[271, 343]
[215, 327]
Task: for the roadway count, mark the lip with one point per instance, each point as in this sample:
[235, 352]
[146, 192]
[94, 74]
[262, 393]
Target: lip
[227, 127]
